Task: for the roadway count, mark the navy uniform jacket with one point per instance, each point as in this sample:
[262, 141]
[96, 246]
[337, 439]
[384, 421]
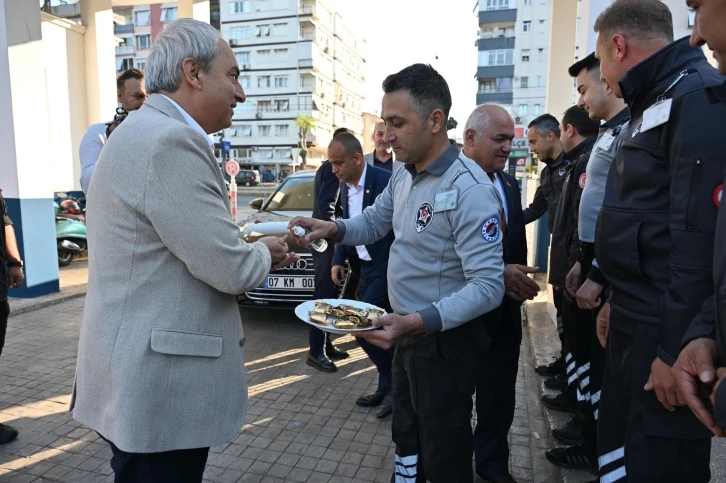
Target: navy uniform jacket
[515, 252]
[548, 192]
[375, 182]
[327, 189]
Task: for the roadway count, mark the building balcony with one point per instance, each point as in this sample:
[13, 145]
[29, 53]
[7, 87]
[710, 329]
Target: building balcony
[491, 71]
[123, 29]
[305, 63]
[497, 96]
[497, 16]
[125, 50]
[496, 43]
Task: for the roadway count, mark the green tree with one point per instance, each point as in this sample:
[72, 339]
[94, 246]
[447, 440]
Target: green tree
[304, 125]
[451, 124]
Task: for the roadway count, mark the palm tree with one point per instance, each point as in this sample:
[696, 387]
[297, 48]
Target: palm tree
[451, 124]
[304, 124]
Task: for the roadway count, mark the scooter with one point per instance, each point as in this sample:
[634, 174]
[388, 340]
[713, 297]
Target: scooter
[71, 236]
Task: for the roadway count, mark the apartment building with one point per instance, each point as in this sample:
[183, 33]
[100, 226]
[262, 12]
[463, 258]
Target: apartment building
[298, 57]
[141, 25]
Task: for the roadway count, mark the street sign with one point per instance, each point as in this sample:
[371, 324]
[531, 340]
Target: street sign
[226, 145]
[231, 168]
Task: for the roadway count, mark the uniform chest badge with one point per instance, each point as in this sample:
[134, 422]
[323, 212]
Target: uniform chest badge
[583, 180]
[563, 170]
[717, 194]
[490, 230]
[424, 216]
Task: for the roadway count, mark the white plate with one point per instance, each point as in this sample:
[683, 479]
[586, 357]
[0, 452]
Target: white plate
[303, 312]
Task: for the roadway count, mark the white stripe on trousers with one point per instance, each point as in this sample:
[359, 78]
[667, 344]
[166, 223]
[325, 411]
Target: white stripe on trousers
[614, 475]
[596, 398]
[608, 458]
[406, 468]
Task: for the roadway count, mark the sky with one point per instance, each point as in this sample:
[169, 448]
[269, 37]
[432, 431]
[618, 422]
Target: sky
[403, 32]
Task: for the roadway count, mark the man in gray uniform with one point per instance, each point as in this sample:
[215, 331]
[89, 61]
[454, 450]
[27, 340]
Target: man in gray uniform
[445, 271]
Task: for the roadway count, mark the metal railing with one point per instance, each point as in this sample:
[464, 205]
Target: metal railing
[118, 29]
[124, 49]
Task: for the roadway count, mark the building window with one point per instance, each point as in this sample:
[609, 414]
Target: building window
[528, 2]
[281, 105]
[264, 55]
[496, 57]
[263, 30]
[522, 110]
[140, 64]
[526, 26]
[539, 81]
[244, 6]
[241, 153]
[536, 109]
[691, 18]
[143, 42]
[244, 81]
[281, 81]
[541, 26]
[124, 64]
[264, 106]
[266, 153]
[282, 130]
[169, 14]
[499, 84]
[540, 55]
[244, 130]
[283, 153]
[262, 5]
[497, 4]
[263, 81]
[264, 131]
[525, 55]
[142, 17]
[280, 54]
[524, 82]
[243, 58]
[279, 29]
[239, 32]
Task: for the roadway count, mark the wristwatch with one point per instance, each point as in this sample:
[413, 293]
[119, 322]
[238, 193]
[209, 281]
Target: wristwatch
[18, 264]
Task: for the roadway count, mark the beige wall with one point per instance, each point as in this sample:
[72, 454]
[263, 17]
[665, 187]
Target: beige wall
[63, 49]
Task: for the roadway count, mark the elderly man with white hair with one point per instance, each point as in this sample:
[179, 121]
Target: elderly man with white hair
[160, 372]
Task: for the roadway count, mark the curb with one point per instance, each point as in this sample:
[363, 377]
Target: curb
[23, 306]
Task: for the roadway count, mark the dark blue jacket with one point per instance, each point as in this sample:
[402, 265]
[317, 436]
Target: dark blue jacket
[515, 252]
[327, 189]
[375, 182]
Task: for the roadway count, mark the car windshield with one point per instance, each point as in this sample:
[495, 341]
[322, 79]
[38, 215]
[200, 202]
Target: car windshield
[295, 194]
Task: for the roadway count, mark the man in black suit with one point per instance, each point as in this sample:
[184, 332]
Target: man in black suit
[327, 191]
[360, 184]
[488, 141]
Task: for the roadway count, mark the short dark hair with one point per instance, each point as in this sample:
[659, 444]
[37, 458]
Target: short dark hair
[578, 118]
[544, 124]
[590, 63]
[349, 142]
[129, 74]
[644, 20]
[340, 130]
[427, 87]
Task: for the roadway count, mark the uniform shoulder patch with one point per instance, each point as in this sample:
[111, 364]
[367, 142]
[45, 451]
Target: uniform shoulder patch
[490, 230]
[583, 180]
[424, 216]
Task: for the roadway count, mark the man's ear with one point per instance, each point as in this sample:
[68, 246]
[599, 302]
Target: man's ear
[192, 72]
[118, 95]
[438, 121]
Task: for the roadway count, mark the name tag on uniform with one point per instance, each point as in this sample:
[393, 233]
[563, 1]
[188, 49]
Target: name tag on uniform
[446, 200]
[657, 114]
[605, 141]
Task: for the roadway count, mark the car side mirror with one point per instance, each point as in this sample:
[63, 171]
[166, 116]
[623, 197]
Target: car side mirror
[257, 203]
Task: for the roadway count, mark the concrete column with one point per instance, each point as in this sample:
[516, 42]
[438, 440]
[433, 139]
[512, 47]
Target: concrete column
[196, 9]
[25, 163]
[100, 48]
[561, 56]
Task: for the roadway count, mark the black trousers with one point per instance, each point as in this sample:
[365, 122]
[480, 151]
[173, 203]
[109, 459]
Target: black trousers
[4, 313]
[373, 289]
[324, 289]
[566, 313]
[557, 300]
[495, 396]
[434, 378]
[178, 466]
[638, 439]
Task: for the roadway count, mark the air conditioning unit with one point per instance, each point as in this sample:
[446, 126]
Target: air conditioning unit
[343, 104]
[245, 66]
[322, 95]
[258, 115]
[518, 120]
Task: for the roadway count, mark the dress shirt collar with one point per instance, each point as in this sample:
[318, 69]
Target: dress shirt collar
[361, 181]
[189, 119]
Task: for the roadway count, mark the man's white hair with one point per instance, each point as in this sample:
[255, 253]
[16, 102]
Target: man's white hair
[479, 119]
[181, 39]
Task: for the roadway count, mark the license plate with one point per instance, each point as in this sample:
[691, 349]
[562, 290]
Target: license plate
[283, 283]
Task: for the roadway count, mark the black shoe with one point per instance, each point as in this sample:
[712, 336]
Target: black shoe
[498, 479]
[336, 354]
[371, 400]
[552, 369]
[387, 409]
[7, 434]
[559, 382]
[564, 401]
[570, 433]
[578, 457]
[321, 363]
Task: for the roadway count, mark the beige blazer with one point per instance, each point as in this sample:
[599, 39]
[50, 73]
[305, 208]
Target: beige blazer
[160, 362]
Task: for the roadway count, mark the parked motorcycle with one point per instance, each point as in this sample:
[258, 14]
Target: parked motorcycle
[71, 236]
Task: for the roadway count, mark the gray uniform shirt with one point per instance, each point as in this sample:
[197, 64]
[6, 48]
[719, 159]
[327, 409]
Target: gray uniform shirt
[593, 186]
[445, 264]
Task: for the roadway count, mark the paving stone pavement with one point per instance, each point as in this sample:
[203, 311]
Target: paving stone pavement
[303, 425]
